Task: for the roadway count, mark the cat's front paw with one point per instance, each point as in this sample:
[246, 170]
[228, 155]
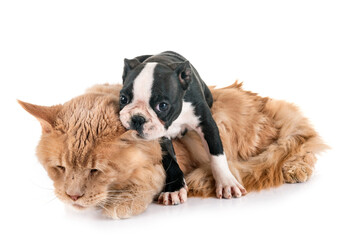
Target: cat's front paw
[119, 212]
[173, 198]
[125, 209]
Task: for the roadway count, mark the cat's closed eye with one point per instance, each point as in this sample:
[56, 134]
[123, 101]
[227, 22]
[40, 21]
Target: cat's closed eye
[93, 171]
[62, 168]
[56, 171]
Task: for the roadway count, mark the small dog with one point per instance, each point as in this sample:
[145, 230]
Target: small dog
[163, 96]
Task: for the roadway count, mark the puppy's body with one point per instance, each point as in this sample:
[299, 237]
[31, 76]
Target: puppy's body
[164, 96]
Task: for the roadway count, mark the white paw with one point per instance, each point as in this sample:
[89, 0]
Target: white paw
[173, 198]
[226, 184]
[228, 188]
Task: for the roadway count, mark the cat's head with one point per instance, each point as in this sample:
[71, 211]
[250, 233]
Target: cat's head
[87, 152]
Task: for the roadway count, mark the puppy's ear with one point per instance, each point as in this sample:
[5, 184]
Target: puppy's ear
[184, 73]
[130, 64]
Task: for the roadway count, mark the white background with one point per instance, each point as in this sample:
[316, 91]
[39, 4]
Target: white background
[51, 51]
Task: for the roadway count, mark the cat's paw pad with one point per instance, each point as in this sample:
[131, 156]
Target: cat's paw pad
[229, 189]
[173, 198]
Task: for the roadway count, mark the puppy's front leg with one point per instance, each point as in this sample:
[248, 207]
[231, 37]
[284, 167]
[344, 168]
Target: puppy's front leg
[175, 190]
[226, 184]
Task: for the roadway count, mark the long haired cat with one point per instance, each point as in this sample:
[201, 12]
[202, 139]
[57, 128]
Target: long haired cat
[94, 162]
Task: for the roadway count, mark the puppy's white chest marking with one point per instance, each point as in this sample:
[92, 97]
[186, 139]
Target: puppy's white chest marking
[186, 120]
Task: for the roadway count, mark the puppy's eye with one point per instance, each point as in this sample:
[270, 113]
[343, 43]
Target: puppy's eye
[123, 99]
[62, 168]
[93, 171]
[162, 107]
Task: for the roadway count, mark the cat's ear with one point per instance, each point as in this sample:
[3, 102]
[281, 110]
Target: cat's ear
[45, 115]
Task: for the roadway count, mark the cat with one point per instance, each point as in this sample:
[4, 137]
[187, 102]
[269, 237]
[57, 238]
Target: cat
[94, 162]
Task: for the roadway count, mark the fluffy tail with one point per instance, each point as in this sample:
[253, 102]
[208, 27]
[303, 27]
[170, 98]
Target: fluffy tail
[266, 169]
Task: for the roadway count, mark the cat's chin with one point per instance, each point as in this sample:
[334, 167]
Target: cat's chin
[80, 210]
[78, 207]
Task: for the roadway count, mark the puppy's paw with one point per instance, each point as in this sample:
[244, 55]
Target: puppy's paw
[173, 198]
[229, 191]
[226, 184]
[229, 187]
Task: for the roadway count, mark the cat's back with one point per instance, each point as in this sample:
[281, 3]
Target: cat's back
[105, 89]
[242, 121]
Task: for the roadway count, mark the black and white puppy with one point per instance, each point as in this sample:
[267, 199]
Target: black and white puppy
[163, 96]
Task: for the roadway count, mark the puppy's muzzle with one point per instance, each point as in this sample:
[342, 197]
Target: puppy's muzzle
[137, 123]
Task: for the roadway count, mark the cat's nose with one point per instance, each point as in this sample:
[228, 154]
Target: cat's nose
[74, 197]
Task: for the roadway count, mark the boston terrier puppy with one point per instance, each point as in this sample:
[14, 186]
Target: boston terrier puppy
[162, 97]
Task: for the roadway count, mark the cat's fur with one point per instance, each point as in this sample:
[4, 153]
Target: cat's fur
[267, 141]
[84, 134]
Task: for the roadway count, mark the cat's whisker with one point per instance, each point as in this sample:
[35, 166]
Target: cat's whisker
[119, 197]
[51, 200]
[124, 198]
[42, 187]
[128, 191]
[127, 197]
[107, 210]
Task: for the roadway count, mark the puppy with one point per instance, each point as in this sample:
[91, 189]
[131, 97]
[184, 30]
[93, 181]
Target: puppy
[163, 96]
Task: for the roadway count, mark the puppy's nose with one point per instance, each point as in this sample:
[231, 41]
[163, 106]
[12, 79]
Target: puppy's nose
[75, 197]
[137, 122]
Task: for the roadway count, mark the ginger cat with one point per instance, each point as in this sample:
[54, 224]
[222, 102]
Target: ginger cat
[94, 162]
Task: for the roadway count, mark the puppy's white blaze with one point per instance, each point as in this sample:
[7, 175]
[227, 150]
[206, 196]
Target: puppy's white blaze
[143, 83]
[142, 90]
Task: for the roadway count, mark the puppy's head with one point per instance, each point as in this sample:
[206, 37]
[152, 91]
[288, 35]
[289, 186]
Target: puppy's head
[152, 96]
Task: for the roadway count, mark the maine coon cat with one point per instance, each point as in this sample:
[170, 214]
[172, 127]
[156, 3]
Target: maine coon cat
[94, 162]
